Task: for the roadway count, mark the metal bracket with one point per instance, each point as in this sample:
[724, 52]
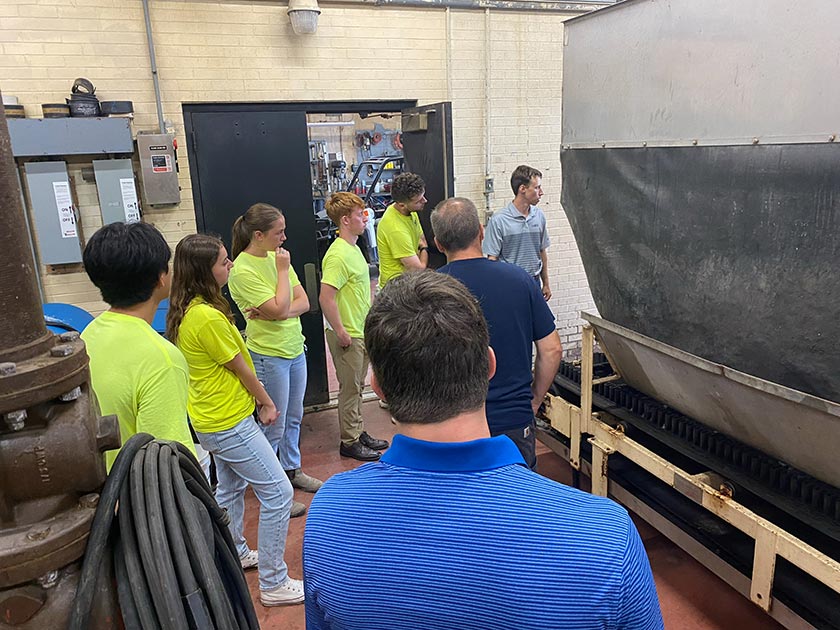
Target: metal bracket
[600, 466]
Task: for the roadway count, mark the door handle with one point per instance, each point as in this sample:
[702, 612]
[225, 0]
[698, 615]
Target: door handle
[310, 274]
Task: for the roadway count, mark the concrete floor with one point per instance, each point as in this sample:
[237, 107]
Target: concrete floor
[691, 597]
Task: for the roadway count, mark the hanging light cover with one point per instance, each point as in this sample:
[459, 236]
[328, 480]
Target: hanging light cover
[304, 16]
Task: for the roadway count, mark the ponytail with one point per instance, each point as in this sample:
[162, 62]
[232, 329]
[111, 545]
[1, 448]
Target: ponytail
[241, 237]
[258, 218]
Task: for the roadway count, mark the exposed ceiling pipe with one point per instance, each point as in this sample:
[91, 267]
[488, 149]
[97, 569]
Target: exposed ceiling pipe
[480, 5]
[488, 151]
[331, 123]
[153, 63]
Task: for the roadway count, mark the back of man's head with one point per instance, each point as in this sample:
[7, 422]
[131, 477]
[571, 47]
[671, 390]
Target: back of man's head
[455, 224]
[428, 346]
[406, 187]
[125, 261]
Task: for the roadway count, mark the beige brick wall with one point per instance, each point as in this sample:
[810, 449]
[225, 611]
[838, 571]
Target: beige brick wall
[246, 51]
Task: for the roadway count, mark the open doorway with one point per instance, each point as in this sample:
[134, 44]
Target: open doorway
[284, 154]
[360, 153]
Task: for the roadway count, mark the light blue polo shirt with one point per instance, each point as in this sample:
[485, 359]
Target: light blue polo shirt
[441, 536]
[517, 239]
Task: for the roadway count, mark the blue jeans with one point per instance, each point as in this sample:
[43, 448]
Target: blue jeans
[285, 382]
[244, 456]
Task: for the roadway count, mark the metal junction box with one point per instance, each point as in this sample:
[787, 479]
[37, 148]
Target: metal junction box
[53, 213]
[158, 168]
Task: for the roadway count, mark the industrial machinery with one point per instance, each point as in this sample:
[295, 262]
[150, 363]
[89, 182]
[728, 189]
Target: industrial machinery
[51, 438]
[700, 179]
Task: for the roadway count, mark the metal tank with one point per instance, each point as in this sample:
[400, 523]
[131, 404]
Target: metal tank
[701, 178]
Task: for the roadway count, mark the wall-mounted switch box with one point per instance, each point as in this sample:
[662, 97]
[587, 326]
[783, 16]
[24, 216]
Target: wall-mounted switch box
[117, 193]
[53, 213]
[158, 168]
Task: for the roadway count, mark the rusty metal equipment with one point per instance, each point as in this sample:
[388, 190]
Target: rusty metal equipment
[51, 436]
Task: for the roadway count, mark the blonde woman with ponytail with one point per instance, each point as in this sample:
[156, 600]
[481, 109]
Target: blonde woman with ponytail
[266, 288]
[222, 395]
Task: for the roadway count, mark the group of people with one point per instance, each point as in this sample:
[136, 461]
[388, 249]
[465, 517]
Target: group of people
[452, 506]
[244, 399]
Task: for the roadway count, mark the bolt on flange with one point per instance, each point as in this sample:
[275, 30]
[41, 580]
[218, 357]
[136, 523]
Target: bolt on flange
[49, 579]
[7, 368]
[89, 501]
[15, 420]
[73, 394]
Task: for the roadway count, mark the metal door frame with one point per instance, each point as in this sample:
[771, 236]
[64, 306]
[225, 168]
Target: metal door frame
[326, 107]
[308, 107]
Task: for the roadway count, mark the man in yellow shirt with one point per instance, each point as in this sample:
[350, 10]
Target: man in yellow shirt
[345, 300]
[135, 373]
[399, 237]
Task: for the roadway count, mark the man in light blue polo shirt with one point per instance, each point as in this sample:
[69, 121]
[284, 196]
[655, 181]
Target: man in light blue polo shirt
[517, 233]
[450, 511]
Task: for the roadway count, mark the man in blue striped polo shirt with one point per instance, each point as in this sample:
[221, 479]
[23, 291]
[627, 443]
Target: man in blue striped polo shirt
[452, 512]
[517, 233]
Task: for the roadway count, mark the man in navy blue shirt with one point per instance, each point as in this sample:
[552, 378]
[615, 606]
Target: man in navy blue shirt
[451, 511]
[517, 316]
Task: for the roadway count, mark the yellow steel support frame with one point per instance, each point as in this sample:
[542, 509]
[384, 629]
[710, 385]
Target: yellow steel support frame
[770, 540]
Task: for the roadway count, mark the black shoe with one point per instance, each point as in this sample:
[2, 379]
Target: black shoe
[372, 442]
[359, 451]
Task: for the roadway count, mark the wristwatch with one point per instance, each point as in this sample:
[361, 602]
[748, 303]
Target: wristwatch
[422, 248]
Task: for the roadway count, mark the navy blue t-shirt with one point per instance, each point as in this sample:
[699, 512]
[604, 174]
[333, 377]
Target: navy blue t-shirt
[517, 315]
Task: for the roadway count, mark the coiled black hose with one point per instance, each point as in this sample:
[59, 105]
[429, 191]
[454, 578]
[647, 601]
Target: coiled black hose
[173, 556]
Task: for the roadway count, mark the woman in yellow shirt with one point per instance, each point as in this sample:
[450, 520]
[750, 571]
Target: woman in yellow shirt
[222, 393]
[266, 288]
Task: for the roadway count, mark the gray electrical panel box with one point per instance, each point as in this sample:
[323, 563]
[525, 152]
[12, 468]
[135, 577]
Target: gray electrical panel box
[117, 193]
[158, 168]
[53, 213]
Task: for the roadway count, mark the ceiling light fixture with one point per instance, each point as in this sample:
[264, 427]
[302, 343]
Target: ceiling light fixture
[304, 16]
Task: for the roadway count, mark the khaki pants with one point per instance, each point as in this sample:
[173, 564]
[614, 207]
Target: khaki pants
[351, 366]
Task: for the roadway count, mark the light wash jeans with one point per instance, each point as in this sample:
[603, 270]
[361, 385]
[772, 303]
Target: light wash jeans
[244, 456]
[204, 459]
[285, 382]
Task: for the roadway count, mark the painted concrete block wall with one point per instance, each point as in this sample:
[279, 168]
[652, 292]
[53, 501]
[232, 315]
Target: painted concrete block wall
[246, 51]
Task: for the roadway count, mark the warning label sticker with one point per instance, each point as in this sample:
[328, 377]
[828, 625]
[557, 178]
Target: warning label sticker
[161, 163]
[64, 203]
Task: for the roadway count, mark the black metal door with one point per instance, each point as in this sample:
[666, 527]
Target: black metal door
[240, 158]
[427, 146]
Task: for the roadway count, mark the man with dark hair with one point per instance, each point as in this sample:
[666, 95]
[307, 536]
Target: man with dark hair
[399, 237]
[135, 373]
[455, 509]
[517, 316]
[517, 233]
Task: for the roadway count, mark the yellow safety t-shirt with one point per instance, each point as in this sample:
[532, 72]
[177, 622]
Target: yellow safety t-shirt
[397, 236]
[345, 268]
[139, 376]
[218, 400]
[252, 282]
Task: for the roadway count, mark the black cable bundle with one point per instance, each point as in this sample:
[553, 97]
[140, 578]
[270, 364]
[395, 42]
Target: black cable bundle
[174, 559]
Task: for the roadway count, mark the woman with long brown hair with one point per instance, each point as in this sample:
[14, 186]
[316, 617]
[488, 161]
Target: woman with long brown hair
[266, 288]
[222, 395]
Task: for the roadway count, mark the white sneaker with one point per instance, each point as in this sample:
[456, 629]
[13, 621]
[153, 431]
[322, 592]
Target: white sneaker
[290, 592]
[250, 560]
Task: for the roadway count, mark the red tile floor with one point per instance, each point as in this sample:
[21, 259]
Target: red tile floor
[692, 598]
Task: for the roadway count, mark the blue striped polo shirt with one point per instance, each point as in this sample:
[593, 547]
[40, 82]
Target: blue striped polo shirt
[463, 536]
[517, 239]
